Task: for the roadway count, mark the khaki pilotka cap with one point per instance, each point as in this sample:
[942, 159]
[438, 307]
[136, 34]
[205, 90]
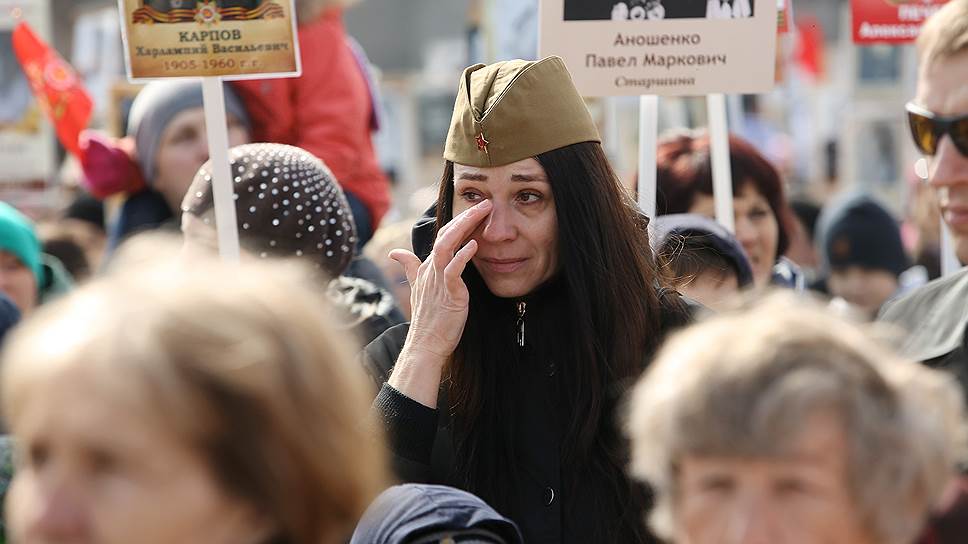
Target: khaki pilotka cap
[514, 110]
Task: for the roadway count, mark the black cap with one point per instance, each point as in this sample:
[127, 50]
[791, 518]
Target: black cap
[690, 225]
[865, 234]
[406, 514]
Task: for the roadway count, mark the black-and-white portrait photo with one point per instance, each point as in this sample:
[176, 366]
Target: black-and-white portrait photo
[653, 10]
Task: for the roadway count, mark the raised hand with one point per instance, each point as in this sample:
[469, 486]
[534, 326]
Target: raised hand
[440, 302]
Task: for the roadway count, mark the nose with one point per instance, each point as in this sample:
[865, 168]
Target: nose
[51, 513]
[852, 285]
[746, 233]
[201, 149]
[751, 524]
[60, 519]
[949, 166]
[499, 227]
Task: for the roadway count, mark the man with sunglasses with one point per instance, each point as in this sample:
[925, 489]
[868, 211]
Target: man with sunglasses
[936, 315]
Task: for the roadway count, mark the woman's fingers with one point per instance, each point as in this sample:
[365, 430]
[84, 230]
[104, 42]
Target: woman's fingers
[453, 234]
[455, 220]
[409, 262]
[456, 267]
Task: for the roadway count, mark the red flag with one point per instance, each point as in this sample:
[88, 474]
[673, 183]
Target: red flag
[55, 85]
[810, 46]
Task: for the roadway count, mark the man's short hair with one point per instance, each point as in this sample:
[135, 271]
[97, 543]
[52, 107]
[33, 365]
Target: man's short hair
[945, 33]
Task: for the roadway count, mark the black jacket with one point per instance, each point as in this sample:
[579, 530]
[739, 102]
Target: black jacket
[422, 442]
[363, 308]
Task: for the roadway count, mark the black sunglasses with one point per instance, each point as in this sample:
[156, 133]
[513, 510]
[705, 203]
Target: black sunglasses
[928, 129]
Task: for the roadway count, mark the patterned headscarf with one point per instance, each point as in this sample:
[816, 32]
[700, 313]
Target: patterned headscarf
[287, 203]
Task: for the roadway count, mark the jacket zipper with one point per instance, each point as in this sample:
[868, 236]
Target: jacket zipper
[522, 309]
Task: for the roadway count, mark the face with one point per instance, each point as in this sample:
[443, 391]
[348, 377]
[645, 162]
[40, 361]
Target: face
[518, 242]
[942, 90]
[800, 498]
[866, 288]
[18, 282]
[100, 470]
[756, 228]
[183, 149]
[712, 289]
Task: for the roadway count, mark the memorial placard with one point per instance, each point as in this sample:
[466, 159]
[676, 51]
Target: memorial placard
[188, 38]
[663, 47]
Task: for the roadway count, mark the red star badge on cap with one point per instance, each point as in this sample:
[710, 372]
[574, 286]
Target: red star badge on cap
[481, 142]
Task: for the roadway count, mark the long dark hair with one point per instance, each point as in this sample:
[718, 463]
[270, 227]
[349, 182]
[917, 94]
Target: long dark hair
[598, 321]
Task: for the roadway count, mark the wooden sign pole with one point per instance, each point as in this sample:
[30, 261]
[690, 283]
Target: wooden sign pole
[218, 150]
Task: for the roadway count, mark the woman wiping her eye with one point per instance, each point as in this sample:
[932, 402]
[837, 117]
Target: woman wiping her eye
[535, 306]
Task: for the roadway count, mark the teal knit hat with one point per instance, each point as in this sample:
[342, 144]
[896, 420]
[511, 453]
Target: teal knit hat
[17, 236]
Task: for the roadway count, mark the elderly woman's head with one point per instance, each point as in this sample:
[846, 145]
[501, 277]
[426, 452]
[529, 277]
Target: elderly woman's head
[762, 216]
[164, 405]
[786, 425]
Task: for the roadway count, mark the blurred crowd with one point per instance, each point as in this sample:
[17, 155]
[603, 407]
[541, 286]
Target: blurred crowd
[531, 360]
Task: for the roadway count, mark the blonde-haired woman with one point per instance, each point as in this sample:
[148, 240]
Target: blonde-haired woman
[213, 405]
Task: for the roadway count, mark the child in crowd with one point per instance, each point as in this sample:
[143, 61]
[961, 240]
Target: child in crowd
[700, 257]
[861, 245]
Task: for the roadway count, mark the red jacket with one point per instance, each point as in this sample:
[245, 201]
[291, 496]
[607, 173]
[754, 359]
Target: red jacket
[328, 111]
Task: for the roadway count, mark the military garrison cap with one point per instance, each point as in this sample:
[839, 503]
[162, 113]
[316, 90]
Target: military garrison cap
[513, 110]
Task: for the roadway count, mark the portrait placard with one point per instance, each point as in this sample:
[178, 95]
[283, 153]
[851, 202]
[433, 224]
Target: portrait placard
[663, 47]
[235, 39]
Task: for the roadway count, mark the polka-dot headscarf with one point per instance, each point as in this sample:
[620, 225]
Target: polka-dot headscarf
[287, 204]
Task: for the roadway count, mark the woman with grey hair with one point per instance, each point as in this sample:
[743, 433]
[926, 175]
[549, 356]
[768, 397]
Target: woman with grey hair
[783, 424]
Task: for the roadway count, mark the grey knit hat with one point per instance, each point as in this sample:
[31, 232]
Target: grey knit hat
[288, 204]
[157, 104]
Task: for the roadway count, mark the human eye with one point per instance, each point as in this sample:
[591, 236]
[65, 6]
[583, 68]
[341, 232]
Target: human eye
[102, 461]
[717, 483]
[234, 122]
[759, 212]
[529, 197]
[470, 196]
[37, 455]
[791, 486]
[10, 264]
[187, 134]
